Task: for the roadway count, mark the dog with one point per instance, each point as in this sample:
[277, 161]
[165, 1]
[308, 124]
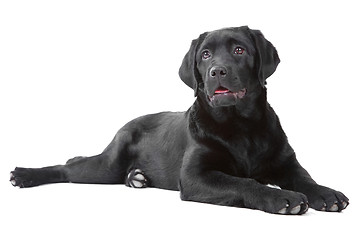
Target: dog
[223, 150]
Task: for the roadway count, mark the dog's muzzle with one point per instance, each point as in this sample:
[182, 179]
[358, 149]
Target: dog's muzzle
[224, 97]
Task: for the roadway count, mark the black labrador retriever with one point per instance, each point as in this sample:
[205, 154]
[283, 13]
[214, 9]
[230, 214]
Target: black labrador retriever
[223, 150]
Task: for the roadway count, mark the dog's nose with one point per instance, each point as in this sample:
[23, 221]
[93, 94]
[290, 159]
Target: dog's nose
[217, 72]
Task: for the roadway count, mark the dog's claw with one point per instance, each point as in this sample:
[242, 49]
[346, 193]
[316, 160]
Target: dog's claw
[334, 208]
[323, 208]
[12, 179]
[306, 207]
[13, 182]
[299, 209]
[295, 210]
[282, 211]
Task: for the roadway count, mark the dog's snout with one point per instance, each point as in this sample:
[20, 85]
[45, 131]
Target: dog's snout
[217, 72]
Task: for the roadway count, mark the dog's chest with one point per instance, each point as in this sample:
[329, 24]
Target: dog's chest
[251, 154]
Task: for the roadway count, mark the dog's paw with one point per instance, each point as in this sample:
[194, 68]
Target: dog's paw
[22, 177]
[285, 202]
[326, 199]
[136, 179]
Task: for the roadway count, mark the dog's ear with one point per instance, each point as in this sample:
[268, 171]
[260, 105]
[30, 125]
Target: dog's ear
[266, 54]
[188, 71]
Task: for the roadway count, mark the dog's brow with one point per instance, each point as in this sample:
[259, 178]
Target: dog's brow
[208, 45]
[241, 41]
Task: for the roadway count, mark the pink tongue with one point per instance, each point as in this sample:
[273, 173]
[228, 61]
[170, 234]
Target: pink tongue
[221, 90]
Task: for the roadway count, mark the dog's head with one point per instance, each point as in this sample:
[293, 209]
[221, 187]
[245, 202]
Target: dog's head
[228, 65]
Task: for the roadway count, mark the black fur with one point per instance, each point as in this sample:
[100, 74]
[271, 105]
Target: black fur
[223, 150]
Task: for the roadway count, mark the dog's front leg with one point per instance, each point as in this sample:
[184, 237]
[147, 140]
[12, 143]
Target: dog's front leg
[292, 176]
[200, 181]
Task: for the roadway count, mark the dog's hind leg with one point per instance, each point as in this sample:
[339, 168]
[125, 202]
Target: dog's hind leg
[96, 169]
[109, 167]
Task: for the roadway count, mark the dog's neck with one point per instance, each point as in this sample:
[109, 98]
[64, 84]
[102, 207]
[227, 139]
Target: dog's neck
[251, 116]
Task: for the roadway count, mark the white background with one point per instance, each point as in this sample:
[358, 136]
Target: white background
[73, 72]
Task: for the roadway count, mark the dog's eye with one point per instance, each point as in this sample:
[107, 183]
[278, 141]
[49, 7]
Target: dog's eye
[239, 50]
[205, 54]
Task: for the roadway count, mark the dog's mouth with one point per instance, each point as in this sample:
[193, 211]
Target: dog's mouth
[222, 92]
